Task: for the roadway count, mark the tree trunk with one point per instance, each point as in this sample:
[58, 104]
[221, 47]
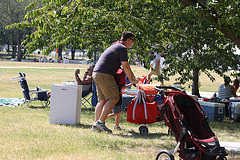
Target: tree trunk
[13, 51]
[14, 43]
[8, 50]
[189, 2]
[19, 52]
[60, 52]
[73, 50]
[195, 88]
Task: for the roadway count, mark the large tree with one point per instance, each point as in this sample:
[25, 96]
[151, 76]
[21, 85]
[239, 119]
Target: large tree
[224, 14]
[196, 48]
[13, 11]
[190, 38]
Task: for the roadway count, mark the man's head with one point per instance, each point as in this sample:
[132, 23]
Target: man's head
[127, 38]
[227, 79]
[90, 69]
[158, 48]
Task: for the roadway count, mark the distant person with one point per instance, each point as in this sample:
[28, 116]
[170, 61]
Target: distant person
[67, 60]
[137, 61]
[225, 91]
[59, 60]
[64, 60]
[40, 59]
[157, 63]
[103, 75]
[50, 60]
[45, 60]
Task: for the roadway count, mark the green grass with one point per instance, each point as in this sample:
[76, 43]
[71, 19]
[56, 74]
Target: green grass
[26, 133]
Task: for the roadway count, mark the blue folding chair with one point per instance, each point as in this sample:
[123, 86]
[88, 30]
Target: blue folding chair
[32, 95]
[89, 95]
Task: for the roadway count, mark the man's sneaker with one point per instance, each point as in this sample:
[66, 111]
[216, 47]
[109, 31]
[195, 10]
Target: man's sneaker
[102, 127]
[118, 128]
[94, 128]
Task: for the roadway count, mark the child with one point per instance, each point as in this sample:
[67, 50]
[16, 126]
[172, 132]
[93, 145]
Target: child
[116, 112]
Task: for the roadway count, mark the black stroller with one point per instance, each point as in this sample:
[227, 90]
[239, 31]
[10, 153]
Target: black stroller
[188, 122]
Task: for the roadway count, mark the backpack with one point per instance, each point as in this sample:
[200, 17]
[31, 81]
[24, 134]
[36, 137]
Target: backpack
[120, 78]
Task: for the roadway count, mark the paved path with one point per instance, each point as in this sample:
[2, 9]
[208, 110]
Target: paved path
[207, 94]
[231, 145]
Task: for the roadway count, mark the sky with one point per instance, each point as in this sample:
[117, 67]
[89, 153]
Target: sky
[237, 51]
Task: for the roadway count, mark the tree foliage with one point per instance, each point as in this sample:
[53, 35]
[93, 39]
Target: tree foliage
[12, 11]
[223, 13]
[196, 47]
[194, 43]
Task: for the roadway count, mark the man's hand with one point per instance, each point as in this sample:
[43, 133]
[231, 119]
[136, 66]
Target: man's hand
[77, 71]
[135, 80]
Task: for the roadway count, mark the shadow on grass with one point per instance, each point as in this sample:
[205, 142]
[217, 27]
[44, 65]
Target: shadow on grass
[125, 133]
[227, 124]
[233, 155]
[137, 135]
[36, 107]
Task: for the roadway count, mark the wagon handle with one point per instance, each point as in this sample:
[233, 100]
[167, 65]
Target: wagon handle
[162, 88]
[168, 87]
[161, 91]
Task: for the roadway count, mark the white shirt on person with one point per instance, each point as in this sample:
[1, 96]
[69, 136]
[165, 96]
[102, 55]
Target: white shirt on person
[154, 62]
[162, 65]
[224, 91]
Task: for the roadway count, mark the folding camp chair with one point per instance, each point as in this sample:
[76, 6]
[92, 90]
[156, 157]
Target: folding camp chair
[32, 95]
[87, 94]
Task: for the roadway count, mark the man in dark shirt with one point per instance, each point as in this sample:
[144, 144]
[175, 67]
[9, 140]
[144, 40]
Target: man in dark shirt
[103, 75]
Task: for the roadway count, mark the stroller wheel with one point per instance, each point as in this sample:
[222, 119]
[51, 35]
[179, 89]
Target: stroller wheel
[143, 129]
[221, 158]
[165, 155]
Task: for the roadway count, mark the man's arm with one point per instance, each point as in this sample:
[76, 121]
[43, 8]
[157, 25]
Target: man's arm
[129, 73]
[83, 81]
[126, 86]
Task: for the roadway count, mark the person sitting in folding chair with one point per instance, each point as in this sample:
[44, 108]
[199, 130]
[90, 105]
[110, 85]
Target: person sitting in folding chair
[86, 82]
[87, 77]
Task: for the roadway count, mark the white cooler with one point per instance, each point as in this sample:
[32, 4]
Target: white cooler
[234, 110]
[232, 101]
[65, 106]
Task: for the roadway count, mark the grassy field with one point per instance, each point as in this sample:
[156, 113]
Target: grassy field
[44, 74]
[27, 134]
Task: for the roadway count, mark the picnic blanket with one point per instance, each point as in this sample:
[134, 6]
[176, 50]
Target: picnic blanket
[11, 102]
